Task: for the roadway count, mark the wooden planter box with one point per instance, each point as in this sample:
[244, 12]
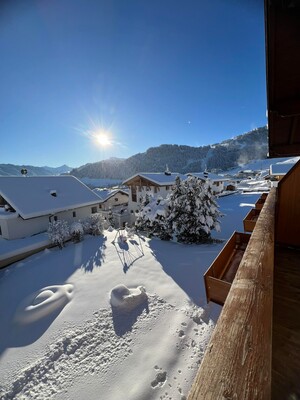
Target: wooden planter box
[250, 220]
[261, 201]
[220, 274]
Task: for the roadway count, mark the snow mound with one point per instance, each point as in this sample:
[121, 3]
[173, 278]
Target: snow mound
[127, 299]
[44, 302]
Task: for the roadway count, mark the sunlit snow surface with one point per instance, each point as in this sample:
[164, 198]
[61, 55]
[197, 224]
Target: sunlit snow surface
[87, 348]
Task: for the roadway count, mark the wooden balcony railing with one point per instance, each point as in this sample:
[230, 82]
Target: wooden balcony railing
[237, 361]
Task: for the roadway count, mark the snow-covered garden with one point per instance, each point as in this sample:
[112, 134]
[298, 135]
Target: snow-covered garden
[108, 318]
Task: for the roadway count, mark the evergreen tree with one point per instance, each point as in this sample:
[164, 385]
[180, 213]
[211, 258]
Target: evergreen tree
[153, 217]
[188, 214]
[194, 212]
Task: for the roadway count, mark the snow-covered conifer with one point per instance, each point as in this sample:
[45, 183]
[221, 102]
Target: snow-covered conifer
[58, 232]
[194, 212]
[153, 217]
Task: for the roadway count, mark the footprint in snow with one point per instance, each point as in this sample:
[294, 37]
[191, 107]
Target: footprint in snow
[160, 379]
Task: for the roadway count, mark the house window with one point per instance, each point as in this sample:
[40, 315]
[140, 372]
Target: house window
[74, 214]
[155, 189]
[133, 193]
[55, 218]
[94, 210]
[167, 187]
[116, 199]
[100, 206]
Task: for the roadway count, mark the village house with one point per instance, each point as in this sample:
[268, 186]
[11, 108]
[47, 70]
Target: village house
[115, 202]
[110, 198]
[149, 183]
[28, 204]
[218, 182]
[159, 183]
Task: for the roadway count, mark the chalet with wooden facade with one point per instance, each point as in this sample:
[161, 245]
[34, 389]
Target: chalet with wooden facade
[254, 350]
[151, 183]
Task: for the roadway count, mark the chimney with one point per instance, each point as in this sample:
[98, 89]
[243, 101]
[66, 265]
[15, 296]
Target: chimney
[167, 171]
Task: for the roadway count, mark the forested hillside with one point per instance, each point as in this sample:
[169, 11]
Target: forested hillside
[230, 153]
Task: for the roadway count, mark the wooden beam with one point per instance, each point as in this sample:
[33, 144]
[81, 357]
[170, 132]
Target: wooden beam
[237, 361]
[285, 150]
[286, 108]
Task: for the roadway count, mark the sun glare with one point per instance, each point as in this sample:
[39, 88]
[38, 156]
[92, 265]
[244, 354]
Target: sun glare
[103, 139]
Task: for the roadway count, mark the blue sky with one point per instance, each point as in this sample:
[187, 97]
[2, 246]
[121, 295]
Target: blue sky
[83, 80]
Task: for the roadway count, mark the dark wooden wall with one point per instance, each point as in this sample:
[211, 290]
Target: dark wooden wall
[288, 209]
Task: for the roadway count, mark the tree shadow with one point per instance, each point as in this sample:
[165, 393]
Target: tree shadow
[186, 265]
[98, 258]
[49, 267]
[128, 252]
[124, 321]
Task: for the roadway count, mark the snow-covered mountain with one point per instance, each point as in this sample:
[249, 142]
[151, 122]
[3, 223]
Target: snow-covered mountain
[15, 170]
[221, 156]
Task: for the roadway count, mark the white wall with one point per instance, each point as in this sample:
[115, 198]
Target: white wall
[4, 229]
[116, 200]
[17, 228]
[217, 188]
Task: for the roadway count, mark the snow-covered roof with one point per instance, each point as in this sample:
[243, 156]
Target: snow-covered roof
[210, 176]
[280, 168]
[35, 196]
[159, 178]
[105, 194]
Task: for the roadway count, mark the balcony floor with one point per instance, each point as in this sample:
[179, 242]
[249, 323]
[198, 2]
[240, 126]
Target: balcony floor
[286, 325]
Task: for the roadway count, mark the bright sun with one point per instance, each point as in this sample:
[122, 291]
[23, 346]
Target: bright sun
[103, 140]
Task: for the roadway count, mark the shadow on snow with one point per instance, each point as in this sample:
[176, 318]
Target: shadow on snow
[50, 267]
[124, 321]
[129, 252]
[186, 265]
